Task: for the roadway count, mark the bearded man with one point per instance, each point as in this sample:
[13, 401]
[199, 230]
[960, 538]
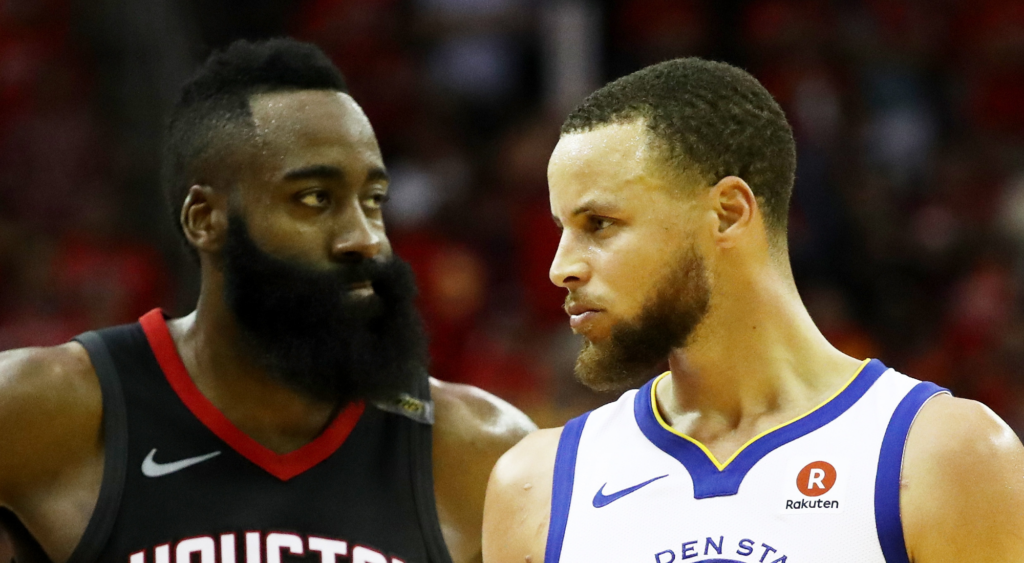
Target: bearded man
[762, 442]
[290, 416]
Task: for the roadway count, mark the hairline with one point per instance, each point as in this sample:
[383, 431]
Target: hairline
[664, 159]
[660, 159]
[243, 130]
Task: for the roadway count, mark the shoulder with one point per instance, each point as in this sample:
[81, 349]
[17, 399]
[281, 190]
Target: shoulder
[50, 404]
[960, 438]
[522, 478]
[39, 383]
[470, 417]
[962, 489]
[516, 512]
[530, 459]
[472, 429]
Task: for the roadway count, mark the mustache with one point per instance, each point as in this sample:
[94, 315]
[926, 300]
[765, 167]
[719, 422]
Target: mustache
[573, 300]
[367, 270]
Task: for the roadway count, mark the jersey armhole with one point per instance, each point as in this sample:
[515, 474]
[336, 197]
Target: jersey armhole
[423, 480]
[888, 521]
[561, 486]
[115, 452]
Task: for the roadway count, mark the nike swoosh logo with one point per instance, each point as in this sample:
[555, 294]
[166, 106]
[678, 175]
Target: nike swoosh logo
[601, 499]
[151, 468]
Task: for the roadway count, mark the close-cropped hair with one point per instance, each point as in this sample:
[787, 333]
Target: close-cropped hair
[213, 110]
[708, 118]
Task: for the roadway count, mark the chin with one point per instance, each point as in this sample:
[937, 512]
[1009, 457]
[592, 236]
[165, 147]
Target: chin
[595, 335]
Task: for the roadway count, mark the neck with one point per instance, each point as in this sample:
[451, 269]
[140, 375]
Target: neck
[754, 362]
[219, 361]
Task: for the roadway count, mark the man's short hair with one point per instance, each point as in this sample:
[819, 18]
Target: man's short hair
[213, 108]
[705, 117]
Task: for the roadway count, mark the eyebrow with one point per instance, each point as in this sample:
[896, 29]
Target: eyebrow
[328, 172]
[315, 171]
[377, 174]
[589, 206]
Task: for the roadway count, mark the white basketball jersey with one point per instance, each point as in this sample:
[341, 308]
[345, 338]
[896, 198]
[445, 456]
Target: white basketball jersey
[823, 488]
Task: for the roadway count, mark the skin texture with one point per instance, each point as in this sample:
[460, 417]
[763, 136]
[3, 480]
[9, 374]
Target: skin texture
[755, 361]
[51, 450]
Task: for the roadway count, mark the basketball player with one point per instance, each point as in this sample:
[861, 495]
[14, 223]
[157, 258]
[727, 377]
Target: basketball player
[762, 443]
[290, 417]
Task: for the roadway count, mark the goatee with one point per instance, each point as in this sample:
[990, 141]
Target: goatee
[667, 320]
[307, 327]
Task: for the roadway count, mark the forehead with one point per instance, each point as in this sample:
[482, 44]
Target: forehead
[311, 127]
[607, 164]
[616, 147]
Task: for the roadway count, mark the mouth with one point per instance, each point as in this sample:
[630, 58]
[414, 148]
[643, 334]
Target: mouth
[361, 289]
[581, 316]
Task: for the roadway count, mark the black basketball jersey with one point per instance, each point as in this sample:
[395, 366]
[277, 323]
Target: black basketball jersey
[182, 484]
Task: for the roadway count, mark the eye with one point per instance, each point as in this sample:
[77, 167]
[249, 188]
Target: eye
[377, 200]
[599, 223]
[316, 198]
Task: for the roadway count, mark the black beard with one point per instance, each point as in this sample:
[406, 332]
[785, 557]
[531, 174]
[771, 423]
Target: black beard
[635, 349]
[306, 328]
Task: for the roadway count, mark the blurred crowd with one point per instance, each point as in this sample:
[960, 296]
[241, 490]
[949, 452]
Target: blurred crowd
[907, 227]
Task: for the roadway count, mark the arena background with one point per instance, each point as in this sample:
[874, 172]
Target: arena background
[908, 214]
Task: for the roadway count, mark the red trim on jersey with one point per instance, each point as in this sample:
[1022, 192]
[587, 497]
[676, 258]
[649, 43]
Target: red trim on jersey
[282, 466]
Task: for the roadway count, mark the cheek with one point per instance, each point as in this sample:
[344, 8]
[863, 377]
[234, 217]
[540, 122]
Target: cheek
[629, 274]
[282, 236]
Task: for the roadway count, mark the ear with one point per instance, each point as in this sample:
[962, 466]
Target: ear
[736, 208]
[204, 218]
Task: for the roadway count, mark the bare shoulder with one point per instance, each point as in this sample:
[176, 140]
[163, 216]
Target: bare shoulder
[516, 513]
[46, 385]
[477, 418]
[531, 459]
[472, 429]
[521, 480]
[50, 401]
[962, 490]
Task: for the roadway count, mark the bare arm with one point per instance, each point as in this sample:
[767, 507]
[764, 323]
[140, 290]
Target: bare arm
[962, 491]
[471, 431]
[51, 452]
[517, 512]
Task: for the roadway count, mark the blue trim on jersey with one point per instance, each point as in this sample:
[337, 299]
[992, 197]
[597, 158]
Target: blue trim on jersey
[890, 467]
[708, 481]
[561, 486]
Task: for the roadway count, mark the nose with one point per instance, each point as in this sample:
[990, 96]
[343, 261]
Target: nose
[568, 269]
[357, 236]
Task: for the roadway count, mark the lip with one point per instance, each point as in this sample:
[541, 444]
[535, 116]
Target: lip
[580, 321]
[361, 288]
[581, 315]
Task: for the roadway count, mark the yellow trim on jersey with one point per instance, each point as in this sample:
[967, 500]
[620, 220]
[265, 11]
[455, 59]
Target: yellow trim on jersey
[711, 456]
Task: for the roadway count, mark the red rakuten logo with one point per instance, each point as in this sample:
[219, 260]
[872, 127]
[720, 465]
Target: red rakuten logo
[816, 478]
